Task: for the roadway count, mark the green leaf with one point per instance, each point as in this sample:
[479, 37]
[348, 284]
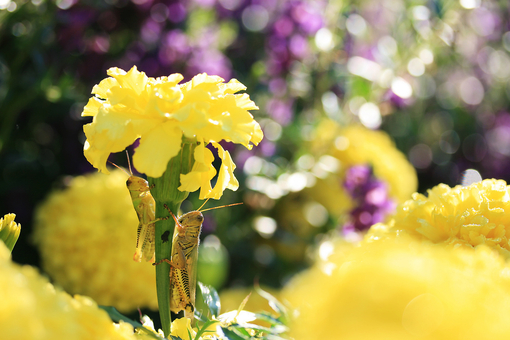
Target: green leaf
[268, 318]
[273, 330]
[232, 335]
[116, 317]
[276, 305]
[204, 327]
[211, 298]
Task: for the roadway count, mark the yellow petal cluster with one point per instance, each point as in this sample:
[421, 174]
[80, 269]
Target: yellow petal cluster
[160, 111]
[402, 290]
[357, 145]
[9, 230]
[465, 216]
[31, 308]
[86, 234]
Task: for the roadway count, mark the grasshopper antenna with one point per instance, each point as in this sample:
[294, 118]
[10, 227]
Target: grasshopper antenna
[129, 163]
[221, 206]
[207, 200]
[118, 167]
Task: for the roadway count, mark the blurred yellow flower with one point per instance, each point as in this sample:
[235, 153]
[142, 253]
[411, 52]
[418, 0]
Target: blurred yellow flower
[160, 111]
[9, 230]
[85, 235]
[470, 216]
[357, 145]
[396, 289]
[31, 308]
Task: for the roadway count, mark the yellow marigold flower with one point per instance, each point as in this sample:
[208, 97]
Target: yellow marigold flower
[85, 235]
[33, 309]
[461, 216]
[160, 111]
[402, 290]
[9, 230]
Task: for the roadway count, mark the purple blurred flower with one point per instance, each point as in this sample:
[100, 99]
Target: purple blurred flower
[177, 12]
[370, 196]
[280, 110]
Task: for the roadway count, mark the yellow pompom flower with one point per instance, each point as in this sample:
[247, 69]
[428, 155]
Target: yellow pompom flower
[31, 308]
[402, 290]
[467, 216]
[86, 235]
[161, 112]
[9, 230]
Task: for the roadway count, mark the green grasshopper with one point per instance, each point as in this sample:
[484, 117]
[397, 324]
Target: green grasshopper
[183, 260]
[145, 208]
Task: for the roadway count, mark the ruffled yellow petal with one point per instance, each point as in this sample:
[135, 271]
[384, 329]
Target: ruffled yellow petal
[92, 107]
[201, 174]
[182, 328]
[130, 105]
[156, 148]
[232, 86]
[133, 79]
[244, 102]
[102, 88]
[96, 157]
[226, 178]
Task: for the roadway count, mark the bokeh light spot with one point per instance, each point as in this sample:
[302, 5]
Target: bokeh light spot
[306, 162]
[342, 143]
[159, 12]
[449, 142]
[272, 131]
[324, 39]
[365, 68]
[420, 156]
[401, 88]
[4, 4]
[255, 18]
[370, 115]
[265, 226]
[470, 176]
[356, 24]
[470, 4]
[471, 91]
[330, 104]
[387, 45]
[315, 214]
[416, 67]
[230, 4]
[421, 13]
[426, 56]
[264, 254]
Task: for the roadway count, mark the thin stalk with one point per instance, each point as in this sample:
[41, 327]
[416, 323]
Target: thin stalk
[164, 190]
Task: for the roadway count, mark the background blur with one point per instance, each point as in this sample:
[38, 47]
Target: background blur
[434, 75]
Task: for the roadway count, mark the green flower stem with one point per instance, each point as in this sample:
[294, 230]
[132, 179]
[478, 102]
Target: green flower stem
[164, 190]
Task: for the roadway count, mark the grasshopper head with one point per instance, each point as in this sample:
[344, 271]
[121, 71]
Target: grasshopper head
[192, 219]
[137, 184]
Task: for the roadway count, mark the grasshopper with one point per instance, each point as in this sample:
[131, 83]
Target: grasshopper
[183, 260]
[145, 208]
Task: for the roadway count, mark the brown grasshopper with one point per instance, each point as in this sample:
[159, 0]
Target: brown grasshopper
[183, 260]
[145, 208]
